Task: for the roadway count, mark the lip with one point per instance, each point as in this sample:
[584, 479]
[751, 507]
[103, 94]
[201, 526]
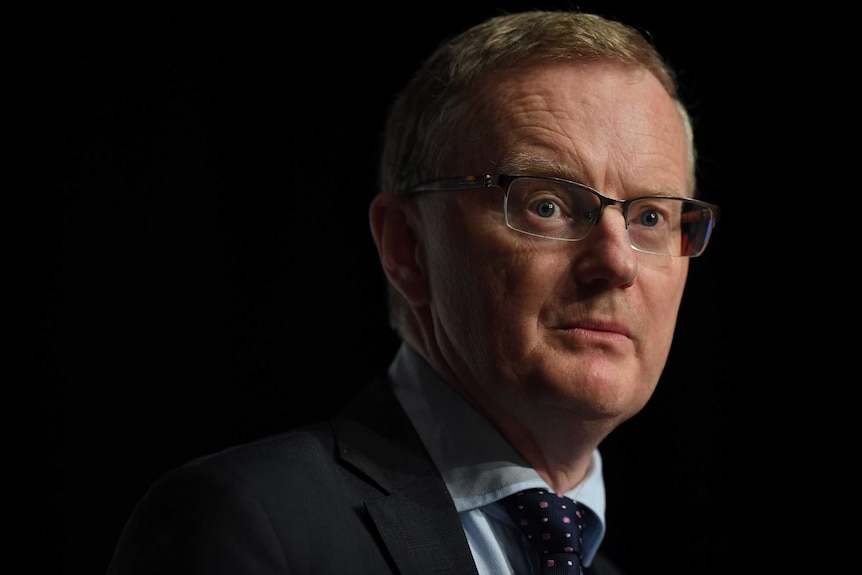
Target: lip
[598, 329]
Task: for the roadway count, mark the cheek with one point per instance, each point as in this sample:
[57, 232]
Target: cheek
[487, 284]
[663, 298]
[470, 286]
[484, 289]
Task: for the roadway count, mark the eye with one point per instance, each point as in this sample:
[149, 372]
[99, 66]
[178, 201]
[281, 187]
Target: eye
[649, 218]
[546, 209]
[653, 212]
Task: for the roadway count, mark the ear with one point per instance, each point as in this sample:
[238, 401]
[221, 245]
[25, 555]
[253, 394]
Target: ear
[398, 246]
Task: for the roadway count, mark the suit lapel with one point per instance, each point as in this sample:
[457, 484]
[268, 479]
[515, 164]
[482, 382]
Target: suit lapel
[417, 518]
[422, 530]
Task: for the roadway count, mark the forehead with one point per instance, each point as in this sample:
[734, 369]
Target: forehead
[588, 119]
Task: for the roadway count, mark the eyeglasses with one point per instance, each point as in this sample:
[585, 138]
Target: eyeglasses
[559, 209]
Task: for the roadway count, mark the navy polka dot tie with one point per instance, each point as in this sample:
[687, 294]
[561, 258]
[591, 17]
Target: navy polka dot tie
[552, 524]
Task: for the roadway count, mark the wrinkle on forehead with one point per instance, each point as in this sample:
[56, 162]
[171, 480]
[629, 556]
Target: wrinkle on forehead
[585, 124]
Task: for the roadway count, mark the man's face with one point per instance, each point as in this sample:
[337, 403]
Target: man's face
[532, 327]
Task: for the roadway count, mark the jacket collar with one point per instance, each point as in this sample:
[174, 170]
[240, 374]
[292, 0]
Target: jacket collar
[416, 517]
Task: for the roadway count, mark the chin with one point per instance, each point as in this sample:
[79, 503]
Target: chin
[607, 396]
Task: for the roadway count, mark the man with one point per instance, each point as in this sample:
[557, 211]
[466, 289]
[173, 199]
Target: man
[535, 221]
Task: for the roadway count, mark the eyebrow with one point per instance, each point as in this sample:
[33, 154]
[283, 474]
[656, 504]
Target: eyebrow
[530, 164]
[533, 165]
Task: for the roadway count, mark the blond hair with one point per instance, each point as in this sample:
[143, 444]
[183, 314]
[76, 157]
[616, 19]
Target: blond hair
[417, 136]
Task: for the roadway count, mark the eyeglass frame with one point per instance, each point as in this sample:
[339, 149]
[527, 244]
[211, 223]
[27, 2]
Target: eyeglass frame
[504, 181]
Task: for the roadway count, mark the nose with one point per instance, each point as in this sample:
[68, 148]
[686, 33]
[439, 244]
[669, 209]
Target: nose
[605, 254]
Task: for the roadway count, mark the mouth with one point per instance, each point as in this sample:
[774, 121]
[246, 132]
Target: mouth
[597, 330]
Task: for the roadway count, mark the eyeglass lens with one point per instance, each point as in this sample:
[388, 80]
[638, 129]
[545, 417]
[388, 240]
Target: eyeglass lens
[565, 210]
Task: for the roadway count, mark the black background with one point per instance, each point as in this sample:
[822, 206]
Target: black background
[199, 271]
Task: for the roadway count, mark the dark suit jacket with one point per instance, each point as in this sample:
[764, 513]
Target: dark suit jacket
[357, 494]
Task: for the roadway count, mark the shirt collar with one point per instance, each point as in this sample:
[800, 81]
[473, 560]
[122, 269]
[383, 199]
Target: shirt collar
[478, 464]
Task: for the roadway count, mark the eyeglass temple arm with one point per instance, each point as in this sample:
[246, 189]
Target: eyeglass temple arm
[455, 184]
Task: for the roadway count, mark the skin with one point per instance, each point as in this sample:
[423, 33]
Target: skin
[556, 342]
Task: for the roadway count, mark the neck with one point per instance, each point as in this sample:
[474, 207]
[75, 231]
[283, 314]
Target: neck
[559, 450]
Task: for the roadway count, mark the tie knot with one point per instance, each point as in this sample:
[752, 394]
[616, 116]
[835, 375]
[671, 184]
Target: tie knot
[551, 523]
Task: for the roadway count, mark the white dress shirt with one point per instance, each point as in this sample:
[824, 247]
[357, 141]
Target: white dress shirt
[480, 467]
